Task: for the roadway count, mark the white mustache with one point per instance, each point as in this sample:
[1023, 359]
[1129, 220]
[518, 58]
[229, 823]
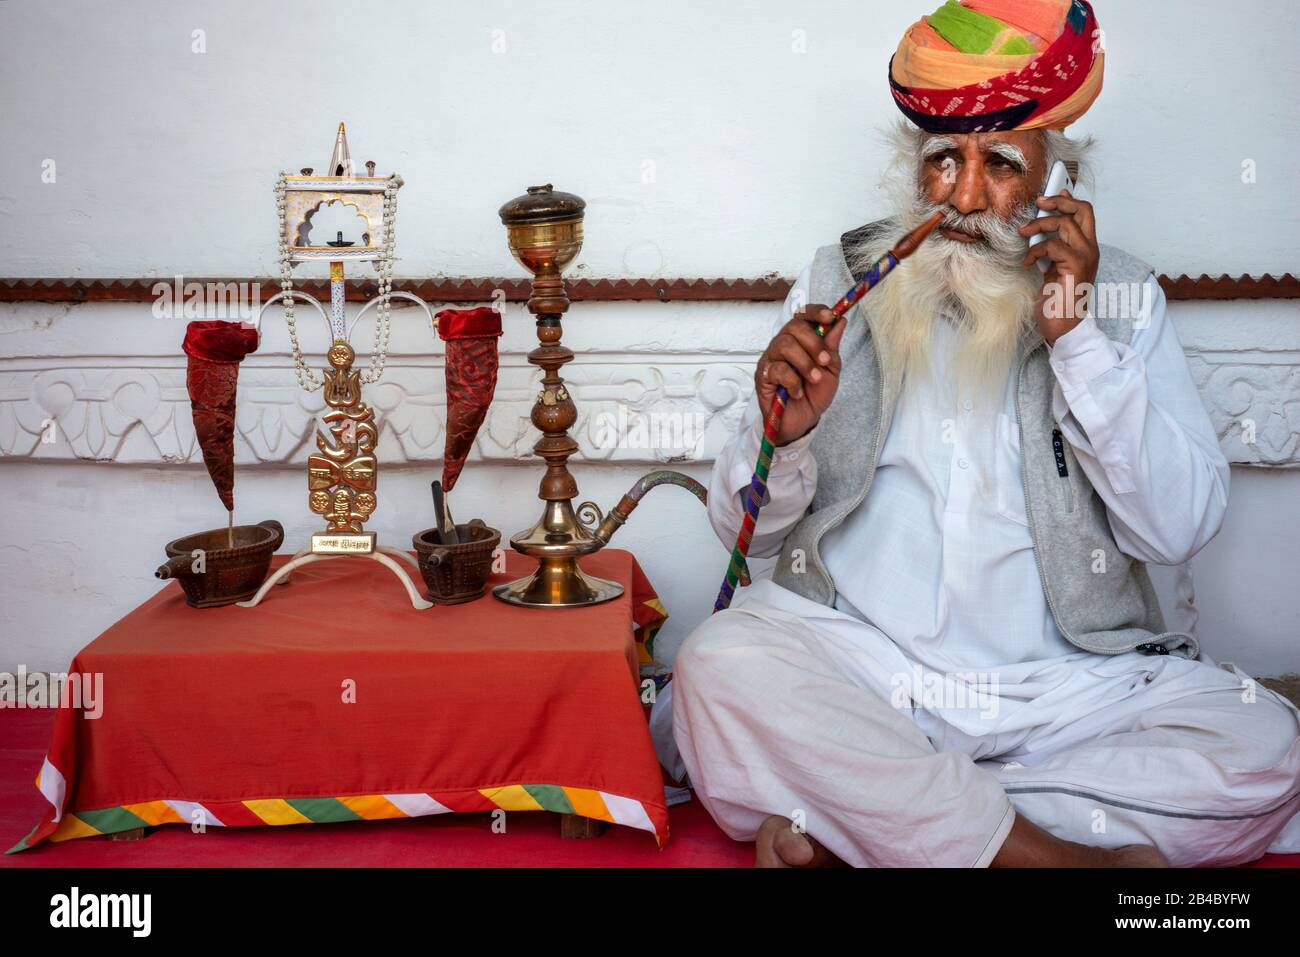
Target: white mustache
[1001, 235]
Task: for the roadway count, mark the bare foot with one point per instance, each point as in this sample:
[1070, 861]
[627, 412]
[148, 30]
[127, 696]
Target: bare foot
[1028, 845]
[778, 844]
[1133, 855]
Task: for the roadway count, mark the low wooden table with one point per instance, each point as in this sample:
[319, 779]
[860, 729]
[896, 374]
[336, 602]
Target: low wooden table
[334, 700]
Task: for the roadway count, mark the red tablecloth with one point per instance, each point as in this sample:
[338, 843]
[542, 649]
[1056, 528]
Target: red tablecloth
[334, 700]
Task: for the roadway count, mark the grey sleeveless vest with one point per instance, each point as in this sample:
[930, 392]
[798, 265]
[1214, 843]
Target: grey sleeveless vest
[1101, 599]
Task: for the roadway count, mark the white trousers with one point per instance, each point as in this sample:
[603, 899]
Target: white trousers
[777, 713]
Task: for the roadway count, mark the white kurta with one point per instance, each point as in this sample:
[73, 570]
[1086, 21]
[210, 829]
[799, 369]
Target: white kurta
[939, 607]
[950, 548]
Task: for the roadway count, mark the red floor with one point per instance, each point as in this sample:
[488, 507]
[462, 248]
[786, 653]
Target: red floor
[453, 840]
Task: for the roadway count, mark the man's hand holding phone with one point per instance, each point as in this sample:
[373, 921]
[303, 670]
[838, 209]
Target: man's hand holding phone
[807, 365]
[1063, 241]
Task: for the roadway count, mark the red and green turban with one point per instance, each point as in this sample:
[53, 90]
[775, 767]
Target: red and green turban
[983, 65]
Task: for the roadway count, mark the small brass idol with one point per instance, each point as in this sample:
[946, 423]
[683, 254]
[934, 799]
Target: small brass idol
[544, 230]
[341, 479]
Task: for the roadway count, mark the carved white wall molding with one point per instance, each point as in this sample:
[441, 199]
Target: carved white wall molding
[677, 408]
[654, 383]
[137, 412]
[1254, 402]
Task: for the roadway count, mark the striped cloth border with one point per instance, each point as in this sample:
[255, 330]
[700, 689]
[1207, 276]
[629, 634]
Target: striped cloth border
[588, 802]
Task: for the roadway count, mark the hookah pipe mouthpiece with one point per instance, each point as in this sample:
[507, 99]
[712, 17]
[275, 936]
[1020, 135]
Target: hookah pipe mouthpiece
[902, 249]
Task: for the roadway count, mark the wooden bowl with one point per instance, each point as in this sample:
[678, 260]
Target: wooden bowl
[212, 573]
[456, 573]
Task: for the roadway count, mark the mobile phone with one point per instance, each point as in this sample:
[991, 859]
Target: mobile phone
[1057, 179]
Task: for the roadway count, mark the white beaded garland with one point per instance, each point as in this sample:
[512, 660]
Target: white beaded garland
[307, 378]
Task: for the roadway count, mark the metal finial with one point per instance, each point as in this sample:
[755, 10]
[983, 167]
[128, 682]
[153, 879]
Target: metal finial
[341, 159]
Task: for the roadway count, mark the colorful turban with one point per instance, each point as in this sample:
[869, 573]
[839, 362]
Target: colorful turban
[985, 65]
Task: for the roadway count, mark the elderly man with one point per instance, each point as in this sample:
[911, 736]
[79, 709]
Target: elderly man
[960, 660]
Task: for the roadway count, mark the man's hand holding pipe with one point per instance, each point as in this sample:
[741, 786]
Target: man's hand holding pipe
[807, 365]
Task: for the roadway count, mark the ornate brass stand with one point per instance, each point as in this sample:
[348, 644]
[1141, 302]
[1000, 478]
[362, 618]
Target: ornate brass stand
[343, 474]
[342, 477]
[544, 230]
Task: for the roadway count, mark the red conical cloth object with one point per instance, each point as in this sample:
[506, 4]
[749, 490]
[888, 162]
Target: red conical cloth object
[471, 337]
[215, 349]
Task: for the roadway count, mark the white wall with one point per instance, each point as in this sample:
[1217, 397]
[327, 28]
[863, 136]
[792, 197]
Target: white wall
[165, 159]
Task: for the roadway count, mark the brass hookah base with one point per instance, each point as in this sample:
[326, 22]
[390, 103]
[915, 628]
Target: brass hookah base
[557, 541]
[558, 581]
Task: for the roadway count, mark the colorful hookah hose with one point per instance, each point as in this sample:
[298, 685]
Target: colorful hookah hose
[772, 424]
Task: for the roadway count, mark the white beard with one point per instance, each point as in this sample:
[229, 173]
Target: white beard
[982, 287]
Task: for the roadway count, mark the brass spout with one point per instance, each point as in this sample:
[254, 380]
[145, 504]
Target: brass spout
[618, 515]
